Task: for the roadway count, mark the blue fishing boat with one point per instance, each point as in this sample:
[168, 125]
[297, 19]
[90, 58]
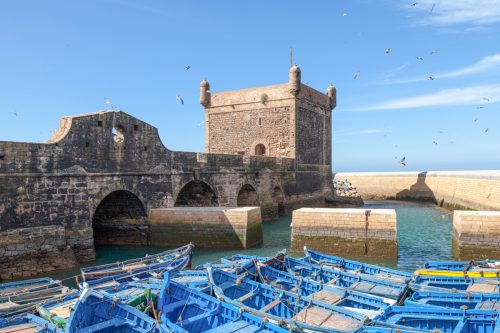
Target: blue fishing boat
[297, 312]
[162, 259]
[463, 266]
[455, 284]
[27, 323]
[58, 311]
[355, 267]
[188, 310]
[97, 312]
[439, 319]
[357, 282]
[464, 301]
[380, 329]
[139, 275]
[26, 286]
[366, 304]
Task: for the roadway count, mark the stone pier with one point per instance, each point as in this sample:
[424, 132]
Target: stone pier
[476, 235]
[207, 227]
[26, 252]
[346, 231]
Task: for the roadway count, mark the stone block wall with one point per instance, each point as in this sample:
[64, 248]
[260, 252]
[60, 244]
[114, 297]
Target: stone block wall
[207, 227]
[476, 235]
[346, 231]
[478, 190]
[26, 252]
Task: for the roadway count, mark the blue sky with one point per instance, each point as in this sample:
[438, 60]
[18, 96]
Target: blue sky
[64, 57]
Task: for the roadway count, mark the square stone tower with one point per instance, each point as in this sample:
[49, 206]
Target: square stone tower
[284, 120]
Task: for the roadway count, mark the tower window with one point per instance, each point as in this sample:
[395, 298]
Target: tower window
[260, 149]
[118, 133]
[260, 121]
[99, 123]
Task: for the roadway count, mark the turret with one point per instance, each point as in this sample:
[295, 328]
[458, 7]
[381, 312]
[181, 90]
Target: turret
[204, 93]
[331, 92]
[294, 80]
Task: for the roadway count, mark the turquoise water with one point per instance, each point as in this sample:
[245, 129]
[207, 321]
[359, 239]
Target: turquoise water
[424, 233]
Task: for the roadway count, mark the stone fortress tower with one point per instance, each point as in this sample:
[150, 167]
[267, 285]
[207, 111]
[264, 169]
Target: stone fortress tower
[284, 120]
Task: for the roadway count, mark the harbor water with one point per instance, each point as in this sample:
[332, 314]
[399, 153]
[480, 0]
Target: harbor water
[424, 233]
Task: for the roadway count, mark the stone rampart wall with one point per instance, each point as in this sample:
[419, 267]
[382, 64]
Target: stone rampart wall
[476, 235]
[346, 231]
[207, 227]
[478, 190]
[26, 252]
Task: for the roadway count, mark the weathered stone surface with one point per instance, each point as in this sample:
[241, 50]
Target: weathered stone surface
[346, 231]
[207, 227]
[478, 190]
[101, 173]
[476, 235]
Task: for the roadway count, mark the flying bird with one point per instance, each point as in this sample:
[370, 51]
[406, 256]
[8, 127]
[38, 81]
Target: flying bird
[388, 50]
[356, 75]
[344, 14]
[199, 124]
[179, 98]
[420, 58]
[432, 8]
[15, 113]
[489, 195]
[435, 143]
[486, 130]
[441, 132]
[432, 78]
[403, 161]
[434, 51]
[414, 4]
[485, 99]
[479, 107]
[188, 67]
[476, 119]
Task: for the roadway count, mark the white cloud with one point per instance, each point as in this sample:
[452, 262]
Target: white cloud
[448, 97]
[453, 12]
[487, 63]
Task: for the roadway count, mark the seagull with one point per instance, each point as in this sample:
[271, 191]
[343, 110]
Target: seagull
[420, 58]
[201, 123]
[388, 50]
[344, 14]
[188, 67]
[435, 143]
[179, 98]
[414, 4]
[476, 119]
[485, 99]
[402, 162]
[486, 130]
[441, 132]
[108, 102]
[356, 75]
[432, 8]
[15, 113]
[432, 78]
[434, 51]
[479, 107]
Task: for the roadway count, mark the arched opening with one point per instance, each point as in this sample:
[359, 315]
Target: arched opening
[279, 201]
[247, 196]
[120, 219]
[118, 133]
[260, 149]
[196, 193]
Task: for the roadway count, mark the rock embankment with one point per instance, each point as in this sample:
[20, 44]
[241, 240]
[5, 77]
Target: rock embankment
[346, 194]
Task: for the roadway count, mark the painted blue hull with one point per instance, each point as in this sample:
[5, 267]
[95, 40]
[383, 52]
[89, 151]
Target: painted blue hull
[295, 311]
[188, 310]
[355, 267]
[21, 322]
[455, 284]
[462, 266]
[464, 301]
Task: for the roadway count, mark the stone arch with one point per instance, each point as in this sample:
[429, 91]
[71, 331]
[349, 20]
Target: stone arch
[120, 218]
[247, 196]
[259, 148]
[279, 200]
[196, 193]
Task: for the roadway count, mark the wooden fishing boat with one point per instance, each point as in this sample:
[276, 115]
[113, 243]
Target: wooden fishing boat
[162, 259]
[295, 311]
[139, 275]
[455, 284]
[439, 319]
[135, 294]
[357, 282]
[27, 323]
[462, 274]
[381, 329]
[188, 310]
[97, 312]
[355, 267]
[463, 266]
[366, 304]
[19, 303]
[463, 301]
[26, 286]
